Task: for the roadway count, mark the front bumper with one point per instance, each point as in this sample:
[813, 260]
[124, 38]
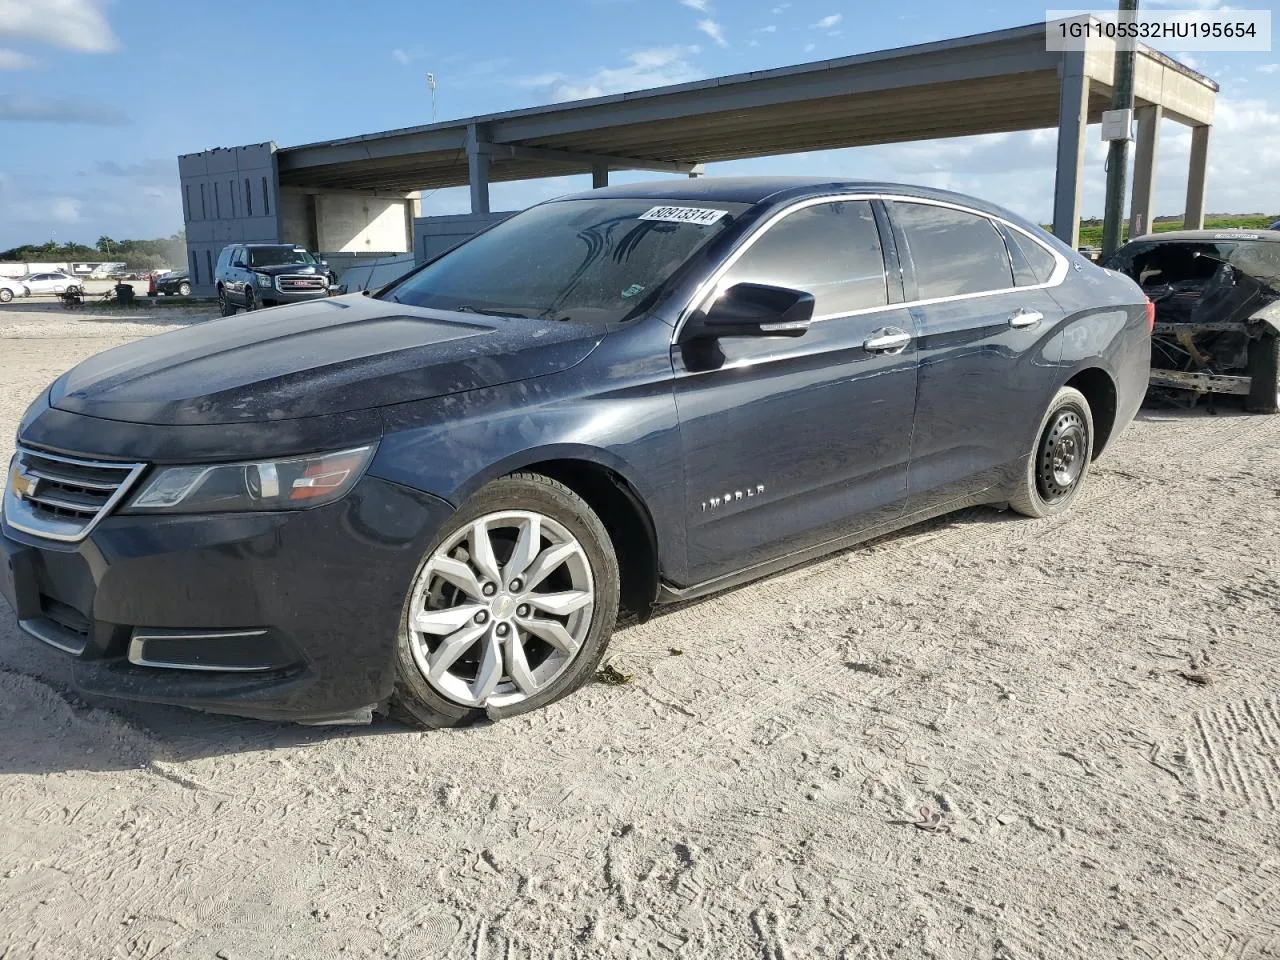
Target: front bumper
[287, 616]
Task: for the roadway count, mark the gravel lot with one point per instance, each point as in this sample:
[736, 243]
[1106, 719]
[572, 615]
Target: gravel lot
[985, 738]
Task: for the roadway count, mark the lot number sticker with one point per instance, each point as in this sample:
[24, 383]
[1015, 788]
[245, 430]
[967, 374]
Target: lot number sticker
[695, 215]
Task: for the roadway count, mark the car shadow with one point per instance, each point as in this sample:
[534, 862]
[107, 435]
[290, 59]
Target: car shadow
[50, 728]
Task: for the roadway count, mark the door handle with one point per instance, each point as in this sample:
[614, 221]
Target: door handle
[1025, 318]
[887, 340]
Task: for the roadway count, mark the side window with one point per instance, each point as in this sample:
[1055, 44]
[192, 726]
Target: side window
[954, 252]
[831, 250]
[1039, 261]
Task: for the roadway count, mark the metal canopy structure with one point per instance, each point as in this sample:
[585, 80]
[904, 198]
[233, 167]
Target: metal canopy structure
[352, 198]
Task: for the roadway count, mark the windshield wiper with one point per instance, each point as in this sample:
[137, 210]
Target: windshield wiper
[467, 308]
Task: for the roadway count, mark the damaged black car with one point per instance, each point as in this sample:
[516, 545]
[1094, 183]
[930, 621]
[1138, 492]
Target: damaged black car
[1217, 300]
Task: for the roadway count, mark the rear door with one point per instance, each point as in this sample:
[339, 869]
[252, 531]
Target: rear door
[789, 441]
[986, 343]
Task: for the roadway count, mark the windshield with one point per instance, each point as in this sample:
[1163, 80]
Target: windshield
[570, 260]
[276, 256]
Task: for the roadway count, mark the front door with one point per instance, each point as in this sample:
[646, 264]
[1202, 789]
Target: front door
[791, 441]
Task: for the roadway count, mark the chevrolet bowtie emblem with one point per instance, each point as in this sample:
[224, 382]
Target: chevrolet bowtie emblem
[22, 484]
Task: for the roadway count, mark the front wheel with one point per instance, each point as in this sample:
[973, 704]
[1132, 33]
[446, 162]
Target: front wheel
[510, 610]
[225, 307]
[5, 294]
[1059, 463]
[184, 289]
[1264, 375]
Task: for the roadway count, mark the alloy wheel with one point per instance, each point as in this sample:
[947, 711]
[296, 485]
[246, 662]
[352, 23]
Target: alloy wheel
[501, 609]
[1063, 449]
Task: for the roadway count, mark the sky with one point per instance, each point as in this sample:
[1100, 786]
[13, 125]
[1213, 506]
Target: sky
[98, 97]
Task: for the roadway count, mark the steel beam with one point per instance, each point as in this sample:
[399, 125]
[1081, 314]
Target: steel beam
[591, 160]
[1073, 119]
[1193, 217]
[1145, 158]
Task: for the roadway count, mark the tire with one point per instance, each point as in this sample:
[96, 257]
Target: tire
[184, 289]
[5, 294]
[578, 559]
[250, 300]
[225, 307]
[1059, 463]
[1264, 375]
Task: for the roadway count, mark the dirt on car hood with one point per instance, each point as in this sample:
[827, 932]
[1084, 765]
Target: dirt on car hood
[323, 357]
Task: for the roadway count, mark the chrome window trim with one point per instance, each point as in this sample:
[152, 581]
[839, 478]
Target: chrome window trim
[710, 286]
[49, 531]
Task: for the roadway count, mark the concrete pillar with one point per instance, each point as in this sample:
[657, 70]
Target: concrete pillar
[1142, 205]
[599, 176]
[1193, 218]
[479, 160]
[1073, 120]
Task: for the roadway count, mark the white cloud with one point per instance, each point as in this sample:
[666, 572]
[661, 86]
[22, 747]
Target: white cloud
[39, 108]
[65, 210]
[810, 47]
[1269, 68]
[653, 67]
[714, 31]
[827, 22]
[771, 28]
[780, 8]
[1188, 60]
[399, 56]
[13, 60]
[71, 24]
[700, 5]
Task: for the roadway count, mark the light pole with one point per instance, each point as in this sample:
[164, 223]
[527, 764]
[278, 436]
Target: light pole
[431, 85]
[1118, 153]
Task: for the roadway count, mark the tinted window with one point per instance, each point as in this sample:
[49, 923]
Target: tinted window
[831, 250]
[572, 259]
[275, 256]
[954, 252]
[1038, 260]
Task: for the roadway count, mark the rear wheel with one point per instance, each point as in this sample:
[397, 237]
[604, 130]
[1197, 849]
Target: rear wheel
[510, 610]
[5, 294]
[225, 307]
[1264, 381]
[1058, 465]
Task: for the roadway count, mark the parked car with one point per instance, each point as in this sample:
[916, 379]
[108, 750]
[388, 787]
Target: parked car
[11, 287]
[174, 284]
[252, 275]
[53, 283]
[1274, 226]
[435, 498]
[1217, 299]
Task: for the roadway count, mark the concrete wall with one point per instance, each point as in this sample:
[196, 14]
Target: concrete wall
[228, 196]
[433, 236]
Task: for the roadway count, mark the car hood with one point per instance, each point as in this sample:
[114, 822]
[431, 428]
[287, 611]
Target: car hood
[290, 268]
[328, 356]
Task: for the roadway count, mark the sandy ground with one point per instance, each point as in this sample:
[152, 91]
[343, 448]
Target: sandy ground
[985, 739]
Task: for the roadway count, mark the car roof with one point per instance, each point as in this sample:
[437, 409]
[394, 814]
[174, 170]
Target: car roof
[772, 190]
[1202, 235]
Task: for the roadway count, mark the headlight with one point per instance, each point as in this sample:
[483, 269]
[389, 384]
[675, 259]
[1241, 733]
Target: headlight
[264, 280]
[291, 484]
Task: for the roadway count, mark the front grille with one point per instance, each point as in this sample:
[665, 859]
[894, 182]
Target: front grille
[298, 283]
[62, 498]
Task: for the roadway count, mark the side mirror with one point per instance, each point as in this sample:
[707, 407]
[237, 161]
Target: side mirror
[753, 310]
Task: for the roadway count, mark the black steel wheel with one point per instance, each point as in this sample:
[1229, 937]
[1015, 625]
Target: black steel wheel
[1264, 375]
[1057, 466]
[250, 299]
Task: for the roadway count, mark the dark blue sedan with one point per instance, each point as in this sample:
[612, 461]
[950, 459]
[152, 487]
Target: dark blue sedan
[436, 499]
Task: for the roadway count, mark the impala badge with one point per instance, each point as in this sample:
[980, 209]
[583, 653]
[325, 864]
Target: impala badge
[732, 496]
